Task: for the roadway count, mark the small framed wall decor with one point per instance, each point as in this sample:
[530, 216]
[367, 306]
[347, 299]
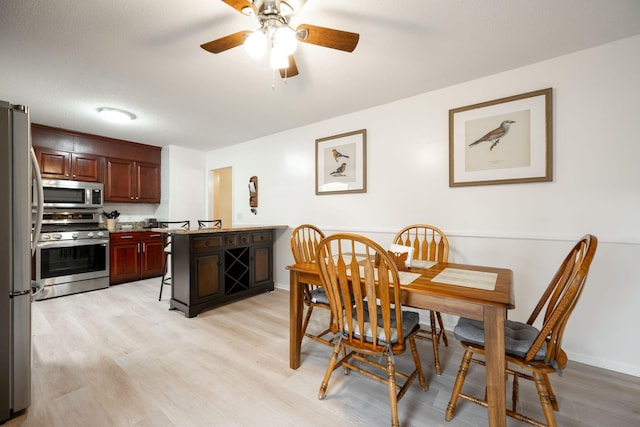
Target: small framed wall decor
[504, 141]
[341, 163]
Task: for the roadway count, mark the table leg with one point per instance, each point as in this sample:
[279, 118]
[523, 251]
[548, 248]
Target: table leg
[295, 319]
[495, 363]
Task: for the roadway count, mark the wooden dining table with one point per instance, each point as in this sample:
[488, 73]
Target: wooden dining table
[463, 299]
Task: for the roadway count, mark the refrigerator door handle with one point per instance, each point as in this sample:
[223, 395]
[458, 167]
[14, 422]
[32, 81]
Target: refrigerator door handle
[40, 208]
[19, 293]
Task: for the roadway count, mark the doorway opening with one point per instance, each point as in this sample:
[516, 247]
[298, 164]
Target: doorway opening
[221, 200]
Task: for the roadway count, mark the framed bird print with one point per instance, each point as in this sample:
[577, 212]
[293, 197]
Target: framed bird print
[341, 163]
[504, 141]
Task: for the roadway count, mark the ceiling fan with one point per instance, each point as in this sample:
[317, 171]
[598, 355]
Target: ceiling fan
[276, 34]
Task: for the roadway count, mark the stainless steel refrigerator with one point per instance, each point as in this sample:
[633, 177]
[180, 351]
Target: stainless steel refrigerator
[16, 169]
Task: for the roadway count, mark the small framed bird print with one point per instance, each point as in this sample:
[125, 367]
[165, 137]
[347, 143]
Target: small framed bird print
[341, 163]
[504, 141]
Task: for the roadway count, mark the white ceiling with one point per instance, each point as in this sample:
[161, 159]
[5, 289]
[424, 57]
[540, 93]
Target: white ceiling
[66, 58]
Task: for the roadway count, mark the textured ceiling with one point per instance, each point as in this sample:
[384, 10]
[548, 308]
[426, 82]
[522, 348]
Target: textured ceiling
[66, 58]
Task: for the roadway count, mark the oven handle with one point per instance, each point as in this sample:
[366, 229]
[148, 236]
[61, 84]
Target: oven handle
[71, 243]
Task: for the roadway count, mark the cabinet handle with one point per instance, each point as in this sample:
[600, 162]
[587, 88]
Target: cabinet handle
[138, 247]
[126, 237]
[144, 247]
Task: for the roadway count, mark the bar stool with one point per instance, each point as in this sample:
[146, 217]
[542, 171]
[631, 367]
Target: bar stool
[209, 223]
[166, 241]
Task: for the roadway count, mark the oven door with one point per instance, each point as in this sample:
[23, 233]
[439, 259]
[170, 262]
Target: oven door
[72, 261]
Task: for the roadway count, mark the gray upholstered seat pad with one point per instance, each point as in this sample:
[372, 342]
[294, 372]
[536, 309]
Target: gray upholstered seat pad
[319, 296]
[519, 336]
[410, 322]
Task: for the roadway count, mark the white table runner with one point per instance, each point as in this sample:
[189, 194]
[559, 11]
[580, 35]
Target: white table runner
[467, 278]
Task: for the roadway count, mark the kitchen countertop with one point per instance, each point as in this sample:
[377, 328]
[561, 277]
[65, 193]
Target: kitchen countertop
[216, 230]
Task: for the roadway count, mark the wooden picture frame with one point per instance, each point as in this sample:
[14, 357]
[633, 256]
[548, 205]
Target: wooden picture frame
[504, 141]
[341, 163]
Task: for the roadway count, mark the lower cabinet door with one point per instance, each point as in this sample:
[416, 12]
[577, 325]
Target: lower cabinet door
[124, 262]
[261, 265]
[208, 275]
[151, 259]
[152, 255]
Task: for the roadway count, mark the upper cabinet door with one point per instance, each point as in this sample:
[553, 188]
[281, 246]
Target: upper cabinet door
[132, 182]
[147, 182]
[86, 167]
[54, 164]
[118, 183]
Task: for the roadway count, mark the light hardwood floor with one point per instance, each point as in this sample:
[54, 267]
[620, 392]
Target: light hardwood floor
[118, 357]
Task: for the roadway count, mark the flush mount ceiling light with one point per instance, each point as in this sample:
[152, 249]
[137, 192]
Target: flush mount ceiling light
[115, 115]
[276, 34]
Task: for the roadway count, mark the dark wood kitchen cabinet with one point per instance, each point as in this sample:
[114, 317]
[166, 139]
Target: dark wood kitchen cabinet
[130, 171]
[215, 268]
[129, 181]
[135, 256]
[57, 164]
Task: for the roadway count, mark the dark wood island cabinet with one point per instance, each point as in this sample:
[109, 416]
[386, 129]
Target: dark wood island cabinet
[217, 266]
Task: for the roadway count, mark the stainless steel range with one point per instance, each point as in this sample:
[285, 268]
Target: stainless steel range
[72, 254]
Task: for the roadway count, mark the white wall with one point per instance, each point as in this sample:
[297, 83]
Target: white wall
[525, 227]
[184, 184]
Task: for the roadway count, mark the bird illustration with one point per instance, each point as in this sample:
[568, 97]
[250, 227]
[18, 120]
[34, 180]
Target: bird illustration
[337, 155]
[340, 170]
[495, 135]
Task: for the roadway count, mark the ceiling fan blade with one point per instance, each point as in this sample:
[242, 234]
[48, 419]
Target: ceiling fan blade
[291, 71]
[327, 37]
[242, 5]
[227, 42]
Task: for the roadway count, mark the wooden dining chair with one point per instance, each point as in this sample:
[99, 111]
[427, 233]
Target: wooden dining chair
[429, 243]
[536, 352]
[372, 327]
[166, 243]
[304, 242]
[209, 223]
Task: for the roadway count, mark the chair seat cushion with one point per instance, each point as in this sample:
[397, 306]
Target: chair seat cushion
[319, 296]
[519, 336]
[410, 323]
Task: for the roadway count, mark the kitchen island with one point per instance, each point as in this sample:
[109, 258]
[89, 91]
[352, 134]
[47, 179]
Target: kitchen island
[212, 267]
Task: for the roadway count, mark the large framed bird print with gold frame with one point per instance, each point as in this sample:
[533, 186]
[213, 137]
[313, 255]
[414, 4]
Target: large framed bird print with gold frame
[341, 163]
[504, 141]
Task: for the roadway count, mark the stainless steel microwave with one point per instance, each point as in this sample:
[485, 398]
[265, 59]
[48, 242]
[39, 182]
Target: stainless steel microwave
[60, 193]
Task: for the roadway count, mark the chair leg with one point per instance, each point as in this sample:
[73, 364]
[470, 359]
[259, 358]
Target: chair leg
[332, 364]
[307, 317]
[445, 340]
[457, 386]
[416, 360]
[545, 401]
[435, 341]
[393, 398]
[552, 397]
[164, 274]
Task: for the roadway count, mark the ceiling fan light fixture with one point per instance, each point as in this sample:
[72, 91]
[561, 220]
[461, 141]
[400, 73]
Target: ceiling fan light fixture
[285, 39]
[115, 115]
[256, 44]
[278, 59]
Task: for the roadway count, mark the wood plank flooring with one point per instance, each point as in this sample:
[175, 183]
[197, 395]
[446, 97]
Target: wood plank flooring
[118, 357]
